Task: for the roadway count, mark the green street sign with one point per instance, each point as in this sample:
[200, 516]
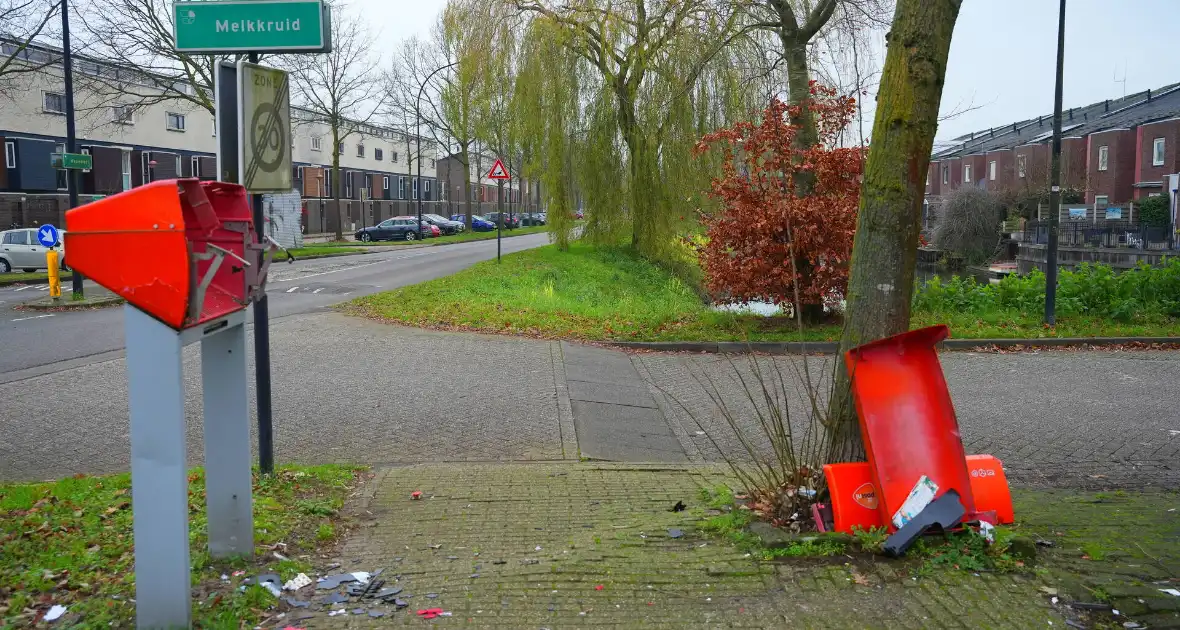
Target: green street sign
[79, 161]
[225, 26]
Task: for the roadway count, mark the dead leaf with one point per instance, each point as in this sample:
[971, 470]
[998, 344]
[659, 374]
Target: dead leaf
[859, 578]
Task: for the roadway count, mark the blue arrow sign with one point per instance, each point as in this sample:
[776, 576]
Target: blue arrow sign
[47, 235]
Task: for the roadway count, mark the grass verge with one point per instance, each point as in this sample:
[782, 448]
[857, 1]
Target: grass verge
[324, 250]
[599, 294]
[70, 542]
[36, 276]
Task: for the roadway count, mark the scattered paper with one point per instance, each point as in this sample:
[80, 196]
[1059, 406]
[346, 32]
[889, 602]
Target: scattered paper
[55, 612]
[988, 530]
[921, 496]
[297, 582]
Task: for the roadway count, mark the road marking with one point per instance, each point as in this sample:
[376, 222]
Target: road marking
[22, 319]
[26, 287]
[324, 273]
[317, 290]
[43, 287]
[292, 289]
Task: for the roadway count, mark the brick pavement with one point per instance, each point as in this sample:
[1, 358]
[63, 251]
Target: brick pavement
[528, 545]
[351, 390]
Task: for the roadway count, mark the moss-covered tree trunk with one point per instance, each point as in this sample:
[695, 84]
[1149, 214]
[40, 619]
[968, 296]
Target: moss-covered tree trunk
[884, 253]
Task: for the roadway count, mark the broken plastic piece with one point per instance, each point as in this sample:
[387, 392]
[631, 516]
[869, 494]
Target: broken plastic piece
[679, 507]
[988, 531]
[296, 603]
[921, 496]
[376, 614]
[335, 613]
[599, 587]
[675, 533]
[335, 598]
[946, 512]
[430, 613]
[1170, 591]
[332, 581]
[359, 611]
[415, 495]
[55, 612]
[297, 582]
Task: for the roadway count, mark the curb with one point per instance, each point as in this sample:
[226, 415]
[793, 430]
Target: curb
[68, 305]
[11, 281]
[831, 347]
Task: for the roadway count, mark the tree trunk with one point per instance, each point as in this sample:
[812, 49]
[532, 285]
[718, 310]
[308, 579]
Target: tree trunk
[336, 181]
[884, 252]
[799, 92]
[463, 157]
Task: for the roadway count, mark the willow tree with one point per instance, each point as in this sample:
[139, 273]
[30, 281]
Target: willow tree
[546, 105]
[884, 252]
[643, 55]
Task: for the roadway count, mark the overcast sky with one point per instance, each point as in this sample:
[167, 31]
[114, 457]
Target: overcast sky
[1003, 53]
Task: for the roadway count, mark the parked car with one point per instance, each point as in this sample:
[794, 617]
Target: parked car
[478, 223]
[532, 218]
[431, 229]
[510, 221]
[20, 249]
[393, 229]
[447, 226]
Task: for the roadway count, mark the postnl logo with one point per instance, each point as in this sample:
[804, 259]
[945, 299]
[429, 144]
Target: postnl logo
[866, 495]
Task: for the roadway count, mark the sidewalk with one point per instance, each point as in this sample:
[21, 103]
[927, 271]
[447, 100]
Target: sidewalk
[564, 545]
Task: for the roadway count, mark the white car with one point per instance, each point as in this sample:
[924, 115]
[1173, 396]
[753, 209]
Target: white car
[19, 249]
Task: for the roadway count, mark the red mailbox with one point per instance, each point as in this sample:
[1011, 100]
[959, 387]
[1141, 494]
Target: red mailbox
[182, 250]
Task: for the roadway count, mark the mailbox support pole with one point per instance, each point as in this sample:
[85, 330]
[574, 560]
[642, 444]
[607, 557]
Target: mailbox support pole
[266, 449]
[159, 471]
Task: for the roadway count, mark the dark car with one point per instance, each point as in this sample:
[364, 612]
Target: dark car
[532, 218]
[396, 228]
[510, 221]
[444, 224]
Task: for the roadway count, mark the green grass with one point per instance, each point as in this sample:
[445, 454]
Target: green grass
[70, 542]
[36, 276]
[605, 294]
[323, 250]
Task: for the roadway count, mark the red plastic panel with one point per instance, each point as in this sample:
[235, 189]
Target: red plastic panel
[907, 419]
[207, 207]
[854, 497]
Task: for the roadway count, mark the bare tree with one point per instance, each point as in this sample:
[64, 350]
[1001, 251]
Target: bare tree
[340, 89]
[22, 22]
[141, 67]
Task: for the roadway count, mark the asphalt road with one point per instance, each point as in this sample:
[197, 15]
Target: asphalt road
[33, 343]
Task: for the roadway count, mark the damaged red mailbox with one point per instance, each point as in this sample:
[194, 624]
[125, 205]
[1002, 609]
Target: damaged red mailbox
[176, 249]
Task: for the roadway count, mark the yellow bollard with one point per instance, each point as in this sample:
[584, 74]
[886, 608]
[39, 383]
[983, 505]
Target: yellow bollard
[51, 261]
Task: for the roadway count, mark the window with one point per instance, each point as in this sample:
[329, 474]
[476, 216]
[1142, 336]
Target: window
[1157, 152]
[946, 174]
[340, 149]
[1021, 165]
[86, 151]
[126, 167]
[315, 144]
[195, 164]
[393, 157]
[348, 184]
[991, 170]
[967, 174]
[299, 173]
[426, 189]
[360, 150]
[1101, 201]
[19, 237]
[378, 154]
[385, 183]
[62, 182]
[401, 188]
[175, 121]
[53, 103]
[415, 189]
[123, 114]
[432, 164]
[10, 154]
[1103, 157]
[1154, 194]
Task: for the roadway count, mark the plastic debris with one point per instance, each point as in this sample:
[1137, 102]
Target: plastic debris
[679, 507]
[537, 548]
[988, 531]
[238, 573]
[675, 533]
[945, 512]
[55, 612]
[415, 495]
[431, 613]
[359, 611]
[432, 596]
[376, 614]
[335, 598]
[297, 582]
[270, 582]
[1170, 591]
[387, 593]
[599, 587]
[332, 581]
[921, 496]
[296, 603]
[292, 628]
[335, 613]
[224, 577]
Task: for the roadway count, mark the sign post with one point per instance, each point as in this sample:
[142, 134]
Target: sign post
[71, 161]
[264, 135]
[47, 236]
[499, 173]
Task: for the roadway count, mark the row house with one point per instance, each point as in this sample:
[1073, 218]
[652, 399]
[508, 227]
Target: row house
[1113, 151]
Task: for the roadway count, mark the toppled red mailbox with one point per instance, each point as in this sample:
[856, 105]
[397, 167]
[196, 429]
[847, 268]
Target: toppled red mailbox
[180, 250]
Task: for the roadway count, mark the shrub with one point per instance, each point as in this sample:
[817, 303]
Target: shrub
[969, 225]
[1091, 290]
[1153, 211]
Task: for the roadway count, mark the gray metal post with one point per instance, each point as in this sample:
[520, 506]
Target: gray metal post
[227, 443]
[159, 479]
[1055, 181]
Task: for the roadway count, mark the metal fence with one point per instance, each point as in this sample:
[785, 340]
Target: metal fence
[1111, 234]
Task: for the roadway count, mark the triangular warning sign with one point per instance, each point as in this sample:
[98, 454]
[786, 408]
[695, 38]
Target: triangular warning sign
[498, 171]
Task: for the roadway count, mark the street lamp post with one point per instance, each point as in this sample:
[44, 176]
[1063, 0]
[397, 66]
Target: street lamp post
[418, 134]
[1055, 181]
[67, 62]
